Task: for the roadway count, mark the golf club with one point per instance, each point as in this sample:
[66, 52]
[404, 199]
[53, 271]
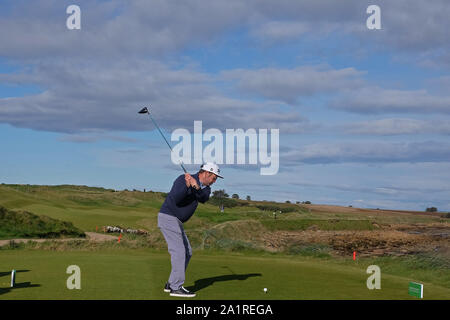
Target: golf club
[145, 110]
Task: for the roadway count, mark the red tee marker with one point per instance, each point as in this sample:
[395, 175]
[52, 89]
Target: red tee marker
[118, 240]
[354, 255]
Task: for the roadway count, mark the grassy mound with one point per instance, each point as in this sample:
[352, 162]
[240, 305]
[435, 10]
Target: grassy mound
[23, 224]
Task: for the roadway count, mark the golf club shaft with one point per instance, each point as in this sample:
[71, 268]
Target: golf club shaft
[157, 127]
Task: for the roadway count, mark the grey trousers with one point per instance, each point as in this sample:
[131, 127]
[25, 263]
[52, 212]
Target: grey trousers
[179, 248]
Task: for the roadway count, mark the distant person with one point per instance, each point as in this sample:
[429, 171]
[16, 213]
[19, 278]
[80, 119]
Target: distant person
[180, 204]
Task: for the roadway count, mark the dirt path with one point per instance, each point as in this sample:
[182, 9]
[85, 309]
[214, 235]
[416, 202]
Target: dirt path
[91, 236]
[99, 237]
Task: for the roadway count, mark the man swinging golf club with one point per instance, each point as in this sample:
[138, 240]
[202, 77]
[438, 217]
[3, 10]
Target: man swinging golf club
[180, 204]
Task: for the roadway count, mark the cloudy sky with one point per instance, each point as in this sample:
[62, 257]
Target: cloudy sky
[363, 115]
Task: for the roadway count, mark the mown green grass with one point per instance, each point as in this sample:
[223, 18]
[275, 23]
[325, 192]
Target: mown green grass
[141, 274]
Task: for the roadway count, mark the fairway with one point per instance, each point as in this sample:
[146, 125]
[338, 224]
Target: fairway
[141, 274]
[303, 254]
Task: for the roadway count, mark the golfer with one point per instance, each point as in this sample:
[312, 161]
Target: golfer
[180, 204]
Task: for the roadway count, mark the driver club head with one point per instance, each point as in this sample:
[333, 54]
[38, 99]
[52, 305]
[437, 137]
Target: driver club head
[144, 110]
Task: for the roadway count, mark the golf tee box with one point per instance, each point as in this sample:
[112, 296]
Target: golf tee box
[415, 289]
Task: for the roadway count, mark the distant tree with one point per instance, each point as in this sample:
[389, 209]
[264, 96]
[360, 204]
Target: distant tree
[235, 196]
[306, 202]
[287, 201]
[432, 209]
[248, 198]
[220, 194]
[221, 198]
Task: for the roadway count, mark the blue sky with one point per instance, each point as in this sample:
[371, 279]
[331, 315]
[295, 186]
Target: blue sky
[363, 115]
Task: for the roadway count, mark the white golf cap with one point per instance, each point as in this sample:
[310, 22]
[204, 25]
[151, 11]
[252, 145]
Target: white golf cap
[211, 167]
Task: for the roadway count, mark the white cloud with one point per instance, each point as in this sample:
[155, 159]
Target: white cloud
[367, 152]
[280, 30]
[100, 95]
[397, 126]
[378, 100]
[92, 136]
[288, 85]
[36, 30]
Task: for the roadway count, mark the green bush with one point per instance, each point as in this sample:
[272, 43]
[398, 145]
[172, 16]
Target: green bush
[273, 208]
[227, 202]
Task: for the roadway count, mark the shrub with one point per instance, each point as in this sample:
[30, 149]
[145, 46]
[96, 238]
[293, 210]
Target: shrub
[226, 202]
[267, 207]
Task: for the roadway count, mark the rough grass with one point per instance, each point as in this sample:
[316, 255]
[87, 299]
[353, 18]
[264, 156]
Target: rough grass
[309, 250]
[423, 267]
[25, 224]
[303, 224]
